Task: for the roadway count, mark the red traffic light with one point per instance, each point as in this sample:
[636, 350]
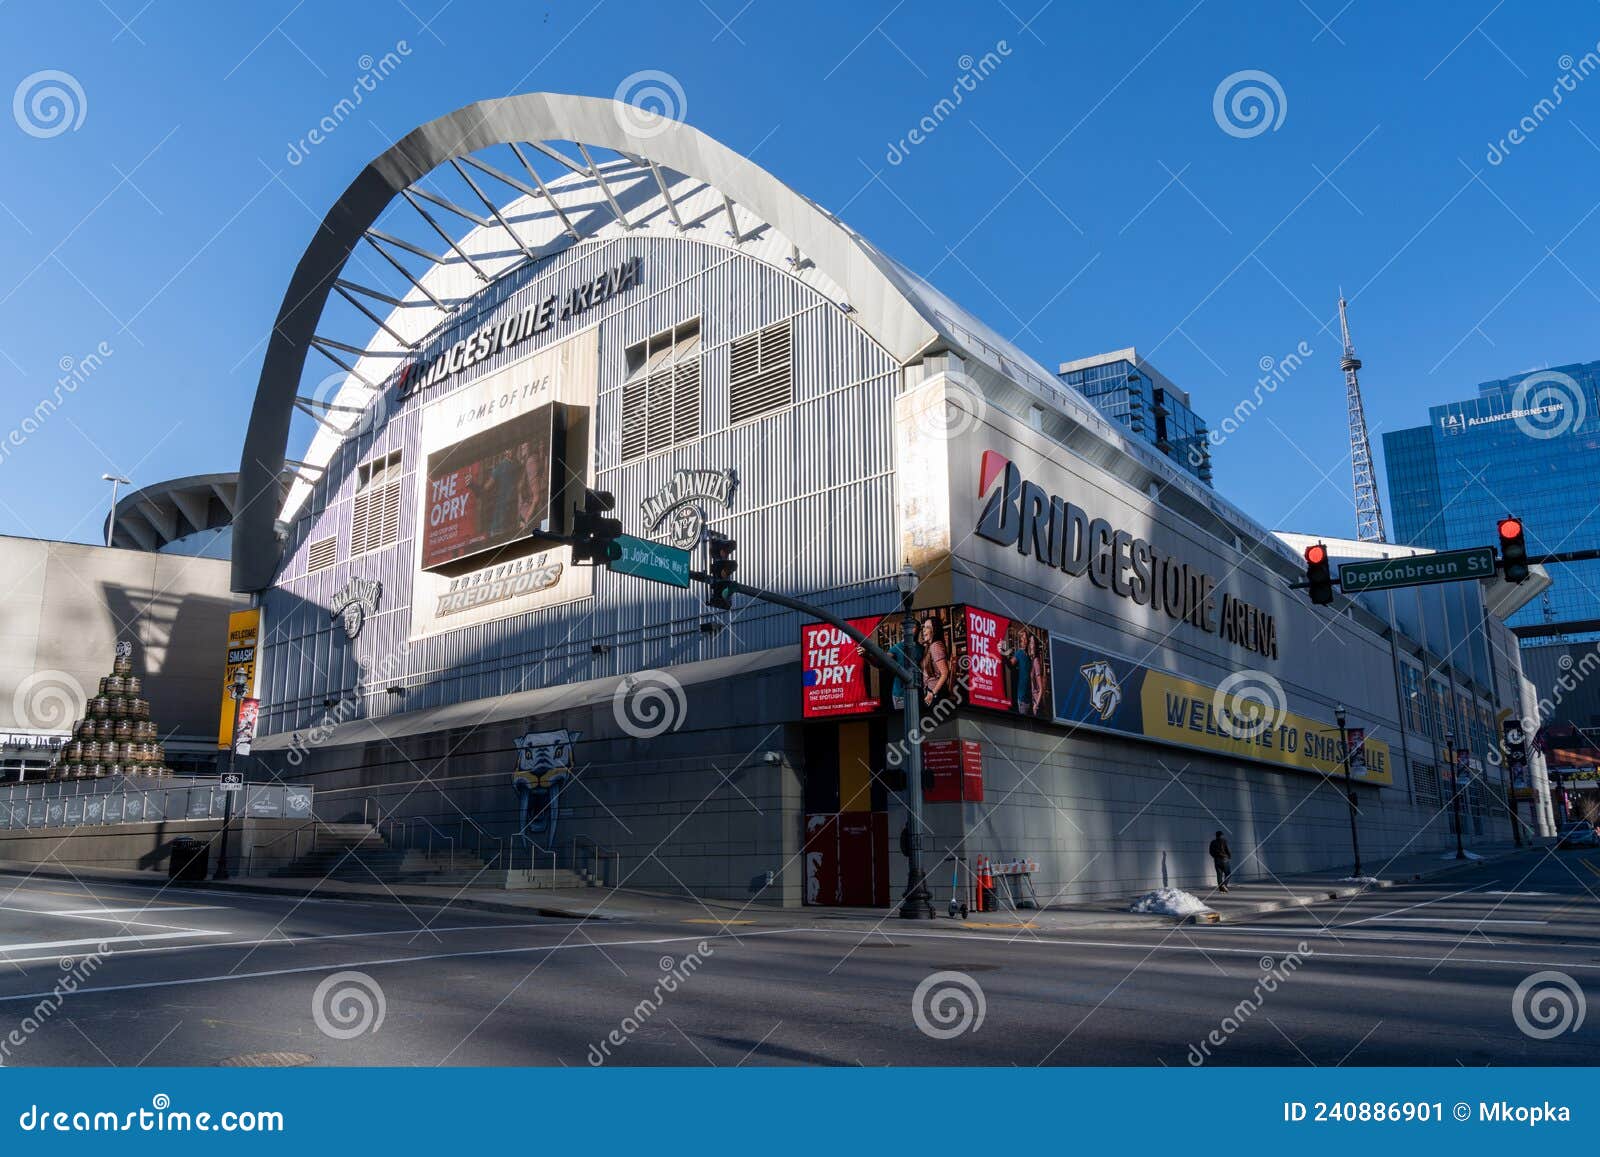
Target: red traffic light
[1510, 527]
[1316, 554]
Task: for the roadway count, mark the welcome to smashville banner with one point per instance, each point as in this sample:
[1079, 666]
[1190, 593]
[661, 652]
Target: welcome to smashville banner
[1097, 689]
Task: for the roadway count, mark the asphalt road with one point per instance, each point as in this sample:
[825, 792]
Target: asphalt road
[1421, 974]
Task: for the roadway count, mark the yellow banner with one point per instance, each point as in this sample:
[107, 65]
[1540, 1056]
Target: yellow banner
[244, 648]
[1180, 711]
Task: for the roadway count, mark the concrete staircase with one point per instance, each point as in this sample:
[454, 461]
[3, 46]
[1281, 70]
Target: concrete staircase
[356, 852]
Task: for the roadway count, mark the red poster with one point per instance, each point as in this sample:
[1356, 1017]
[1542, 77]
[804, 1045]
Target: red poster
[955, 767]
[838, 679]
[1008, 665]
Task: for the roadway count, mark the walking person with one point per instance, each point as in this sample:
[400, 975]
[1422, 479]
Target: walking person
[1221, 860]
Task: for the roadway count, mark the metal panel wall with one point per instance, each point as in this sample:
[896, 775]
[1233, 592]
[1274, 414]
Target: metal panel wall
[814, 510]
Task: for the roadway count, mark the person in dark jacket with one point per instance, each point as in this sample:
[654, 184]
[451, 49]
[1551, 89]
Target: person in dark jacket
[1221, 859]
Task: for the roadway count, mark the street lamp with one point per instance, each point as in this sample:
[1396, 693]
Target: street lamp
[237, 690]
[1349, 783]
[1455, 792]
[115, 480]
[916, 904]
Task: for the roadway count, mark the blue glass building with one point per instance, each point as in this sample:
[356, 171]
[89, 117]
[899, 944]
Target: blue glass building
[1129, 390]
[1527, 445]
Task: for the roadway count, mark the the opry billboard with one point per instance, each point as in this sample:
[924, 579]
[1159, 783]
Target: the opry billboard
[967, 657]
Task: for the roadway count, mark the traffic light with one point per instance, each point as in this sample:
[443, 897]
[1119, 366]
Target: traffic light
[1513, 550]
[1318, 576]
[594, 532]
[721, 568]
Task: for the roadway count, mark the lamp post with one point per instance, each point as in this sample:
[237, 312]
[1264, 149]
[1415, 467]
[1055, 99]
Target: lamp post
[237, 690]
[916, 904]
[1455, 791]
[1349, 783]
[111, 519]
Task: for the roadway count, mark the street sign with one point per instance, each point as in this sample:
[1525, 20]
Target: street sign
[1447, 566]
[232, 781]
[655, 561]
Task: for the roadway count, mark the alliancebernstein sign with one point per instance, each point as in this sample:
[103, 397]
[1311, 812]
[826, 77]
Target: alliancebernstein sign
[1061, 534]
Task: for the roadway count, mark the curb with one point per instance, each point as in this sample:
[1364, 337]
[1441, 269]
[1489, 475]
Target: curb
[411, 900]
[1322, 895]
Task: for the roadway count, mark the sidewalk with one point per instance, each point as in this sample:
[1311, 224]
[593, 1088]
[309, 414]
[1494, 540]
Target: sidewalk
[1250, 898]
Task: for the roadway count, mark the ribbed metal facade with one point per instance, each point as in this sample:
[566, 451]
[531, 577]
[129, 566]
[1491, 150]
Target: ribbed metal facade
[814, 511]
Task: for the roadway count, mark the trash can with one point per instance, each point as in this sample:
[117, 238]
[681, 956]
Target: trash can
[188, 859]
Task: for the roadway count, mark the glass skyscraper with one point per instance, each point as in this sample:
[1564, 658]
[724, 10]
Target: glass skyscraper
[1129, 390]
[1529, 446]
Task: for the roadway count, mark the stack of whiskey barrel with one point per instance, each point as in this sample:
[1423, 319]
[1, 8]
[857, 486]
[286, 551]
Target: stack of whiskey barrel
[117, 736]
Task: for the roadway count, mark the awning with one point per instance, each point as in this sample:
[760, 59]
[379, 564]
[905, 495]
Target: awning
[517, 705]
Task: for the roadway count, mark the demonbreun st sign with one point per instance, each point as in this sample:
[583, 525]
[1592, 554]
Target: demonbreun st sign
[1447, 566]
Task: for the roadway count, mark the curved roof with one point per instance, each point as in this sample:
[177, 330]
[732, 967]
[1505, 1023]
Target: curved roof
[666, 179]
[158, 515]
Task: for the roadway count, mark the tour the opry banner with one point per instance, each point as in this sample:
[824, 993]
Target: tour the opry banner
[1097, 689]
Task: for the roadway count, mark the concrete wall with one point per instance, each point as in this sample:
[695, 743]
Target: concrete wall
[147, 847]
[66, 608]
[697, 808]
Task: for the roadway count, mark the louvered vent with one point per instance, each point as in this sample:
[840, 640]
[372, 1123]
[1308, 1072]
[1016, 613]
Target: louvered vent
[661, 398]
[322, 554]
[761, 373]
[375, 516]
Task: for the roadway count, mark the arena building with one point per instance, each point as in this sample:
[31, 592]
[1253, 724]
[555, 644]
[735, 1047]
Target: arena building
[542, 294]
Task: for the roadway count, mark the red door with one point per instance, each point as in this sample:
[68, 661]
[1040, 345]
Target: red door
[847, 859]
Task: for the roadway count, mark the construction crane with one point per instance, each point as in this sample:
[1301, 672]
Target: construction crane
[1369, 513]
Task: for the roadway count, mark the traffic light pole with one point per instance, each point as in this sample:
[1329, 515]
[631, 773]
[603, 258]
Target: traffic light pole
[916, 904]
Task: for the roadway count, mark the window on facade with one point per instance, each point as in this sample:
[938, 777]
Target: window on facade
[1411, 692]
[322, 554]
[375, 516]
[661, 398]
[1425, 783]
[761, 372]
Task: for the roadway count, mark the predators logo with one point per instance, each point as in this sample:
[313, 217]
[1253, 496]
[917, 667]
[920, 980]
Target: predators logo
[1105, 693]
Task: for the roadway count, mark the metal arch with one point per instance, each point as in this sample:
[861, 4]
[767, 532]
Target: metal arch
[883, 304]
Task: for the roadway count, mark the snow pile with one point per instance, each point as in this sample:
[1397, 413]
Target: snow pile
[1168, 902]
[1452, 855]
[1366, 880]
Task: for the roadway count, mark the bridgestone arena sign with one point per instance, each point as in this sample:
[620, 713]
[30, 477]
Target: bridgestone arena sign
[519, 327]
[1061, 534]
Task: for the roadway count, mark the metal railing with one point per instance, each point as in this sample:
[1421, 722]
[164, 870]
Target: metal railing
[119, 800]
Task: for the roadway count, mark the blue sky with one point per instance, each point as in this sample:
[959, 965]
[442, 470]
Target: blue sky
[1083, 197]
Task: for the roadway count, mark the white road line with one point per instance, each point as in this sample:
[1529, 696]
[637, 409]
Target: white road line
[121, 921]
[1423, 903]
[747, 934]
[9, 948]
[175, 910]
[1474, 920]
[288, 940]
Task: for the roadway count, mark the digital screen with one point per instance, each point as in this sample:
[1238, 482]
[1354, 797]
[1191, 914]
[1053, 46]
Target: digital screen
[490, 489]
